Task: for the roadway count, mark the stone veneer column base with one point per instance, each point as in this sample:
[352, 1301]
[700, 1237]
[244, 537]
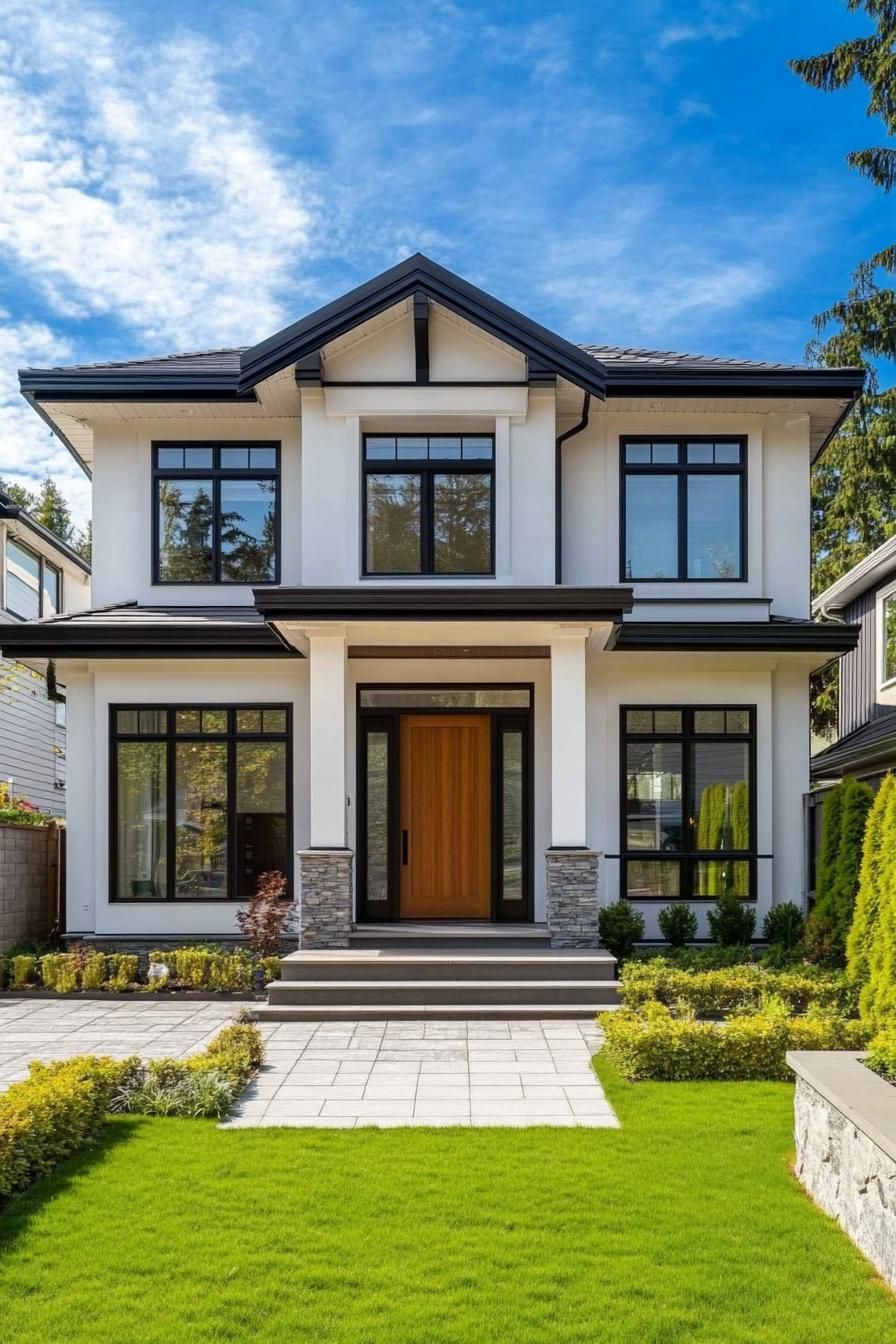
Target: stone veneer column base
[572, 897]
[325, 911]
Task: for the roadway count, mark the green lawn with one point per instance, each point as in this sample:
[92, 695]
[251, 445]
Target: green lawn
[685, 1225]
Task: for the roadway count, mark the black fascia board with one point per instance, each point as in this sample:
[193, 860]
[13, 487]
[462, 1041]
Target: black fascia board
[731, 636]
[71, 639]
[444, 604]
[124, 384]
[725, 381]
[417, 274]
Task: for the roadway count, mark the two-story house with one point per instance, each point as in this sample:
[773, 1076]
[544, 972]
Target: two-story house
[440, 615]
[40, 577]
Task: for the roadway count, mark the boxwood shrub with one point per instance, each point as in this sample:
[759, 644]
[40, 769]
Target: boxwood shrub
[714, 993]
[881, 1055]
[653, 1045]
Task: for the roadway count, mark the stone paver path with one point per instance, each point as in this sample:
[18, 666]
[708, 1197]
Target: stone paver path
[340, 1075]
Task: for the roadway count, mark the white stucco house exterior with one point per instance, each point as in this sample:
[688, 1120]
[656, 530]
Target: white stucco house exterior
[440, 615]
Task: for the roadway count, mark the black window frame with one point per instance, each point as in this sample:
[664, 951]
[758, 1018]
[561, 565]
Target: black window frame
[682, 469]
[216, 474]
[427, 468]
[688, 856]
[171, 736]
[43, 563]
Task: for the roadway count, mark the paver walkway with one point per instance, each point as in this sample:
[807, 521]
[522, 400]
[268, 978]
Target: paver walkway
[339, 1075]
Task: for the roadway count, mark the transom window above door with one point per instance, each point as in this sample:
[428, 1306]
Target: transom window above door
[216, 512]
[429, 504]
[683, 509]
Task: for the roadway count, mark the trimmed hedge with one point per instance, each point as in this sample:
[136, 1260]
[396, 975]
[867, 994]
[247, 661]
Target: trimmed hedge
[652, 1045]
[842, 831]
[713, 993]
[61, 1107]
[195, 968]
[46, 1117]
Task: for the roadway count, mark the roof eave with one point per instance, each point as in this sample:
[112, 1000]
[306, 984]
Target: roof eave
[736, 636]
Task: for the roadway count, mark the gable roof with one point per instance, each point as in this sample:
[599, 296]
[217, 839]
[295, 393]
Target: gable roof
[873, 745]
[15, 513]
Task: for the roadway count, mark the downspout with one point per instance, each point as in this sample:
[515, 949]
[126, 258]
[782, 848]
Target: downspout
[558, 486]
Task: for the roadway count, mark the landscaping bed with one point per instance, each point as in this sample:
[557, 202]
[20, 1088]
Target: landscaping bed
[194, 972]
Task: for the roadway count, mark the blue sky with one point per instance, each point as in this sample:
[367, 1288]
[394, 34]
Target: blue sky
[182, 175]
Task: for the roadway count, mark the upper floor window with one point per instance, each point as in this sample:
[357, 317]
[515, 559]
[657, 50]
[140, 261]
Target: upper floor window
[887, 638]
[33, 585]
[429, 504]
[684, 509]
[217, 512]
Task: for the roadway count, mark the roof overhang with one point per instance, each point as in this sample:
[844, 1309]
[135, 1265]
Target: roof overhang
[874, 569]
[368, 605]
[813, 637]
[92, 637]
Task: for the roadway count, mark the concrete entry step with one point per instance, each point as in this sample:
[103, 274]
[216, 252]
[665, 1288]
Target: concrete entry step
[484, 963]
[433, 1012]
[422, 934]
[587, 995]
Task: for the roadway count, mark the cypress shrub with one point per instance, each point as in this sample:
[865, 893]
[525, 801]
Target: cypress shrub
[842, 833]
[876, 876]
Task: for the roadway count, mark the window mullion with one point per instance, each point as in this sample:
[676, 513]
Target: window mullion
[427, 522]
[171, 808]
[682, 524]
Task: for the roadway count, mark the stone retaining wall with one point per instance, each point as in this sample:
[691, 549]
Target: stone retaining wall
[845, 1132]
[27, 883]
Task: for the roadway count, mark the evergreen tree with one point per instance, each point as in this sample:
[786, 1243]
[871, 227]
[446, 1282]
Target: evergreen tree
[51, 509]
[83, 542]
[854, 485]
[18, 494]
[842, 835]
[877, 878]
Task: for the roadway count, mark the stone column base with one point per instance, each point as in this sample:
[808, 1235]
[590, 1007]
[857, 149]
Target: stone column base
[572, 897]
[325, 909]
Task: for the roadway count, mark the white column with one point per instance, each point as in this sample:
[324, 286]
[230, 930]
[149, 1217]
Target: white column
[326, 654]
[568, 764]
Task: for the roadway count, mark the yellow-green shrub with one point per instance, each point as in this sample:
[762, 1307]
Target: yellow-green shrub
[191, 966]
[93, 971]
[231, 971]
[652, 1044]
[23, 971]
[271, 968]
[122, 971]
[882, 1052]
[46, 1117]
[713, 993]
[200, 1085]
[59, 972]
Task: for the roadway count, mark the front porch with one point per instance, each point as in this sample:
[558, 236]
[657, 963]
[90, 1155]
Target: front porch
[447, 771]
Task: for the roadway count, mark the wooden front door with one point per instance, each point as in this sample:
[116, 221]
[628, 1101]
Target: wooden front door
[445, 816]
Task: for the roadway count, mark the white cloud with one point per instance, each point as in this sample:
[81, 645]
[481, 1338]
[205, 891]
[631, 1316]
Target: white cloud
[28, 449]
[128, 187]
[714, 22]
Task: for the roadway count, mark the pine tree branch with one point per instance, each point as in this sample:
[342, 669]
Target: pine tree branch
[878, 164]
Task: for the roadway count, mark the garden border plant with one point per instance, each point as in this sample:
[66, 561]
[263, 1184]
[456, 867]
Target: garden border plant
[62, 1107]
[192, 969]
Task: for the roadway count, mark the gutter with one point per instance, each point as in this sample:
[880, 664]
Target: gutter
[558, 485]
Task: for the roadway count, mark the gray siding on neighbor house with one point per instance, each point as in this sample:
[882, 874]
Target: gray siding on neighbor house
[32, 747]
[858, 669]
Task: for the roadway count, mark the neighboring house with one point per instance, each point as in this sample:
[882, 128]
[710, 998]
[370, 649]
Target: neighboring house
[866, 715]
[40, 577]
[441, 615]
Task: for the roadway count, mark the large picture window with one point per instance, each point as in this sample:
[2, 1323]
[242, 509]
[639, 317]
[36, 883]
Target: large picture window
[217, 512]
[200, 801]
[683, 509]
[429, 504]
[688, 817]
[33, 585]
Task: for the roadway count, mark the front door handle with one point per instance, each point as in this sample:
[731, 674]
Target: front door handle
[404, 847]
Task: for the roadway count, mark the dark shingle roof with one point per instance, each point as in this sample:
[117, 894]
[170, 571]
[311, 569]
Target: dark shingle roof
[872, 744]
[190, 361]
[129, 631]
